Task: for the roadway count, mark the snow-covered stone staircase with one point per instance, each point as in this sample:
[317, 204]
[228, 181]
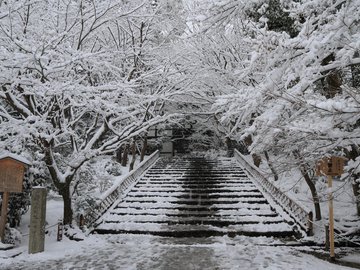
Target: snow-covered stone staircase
[194, 197]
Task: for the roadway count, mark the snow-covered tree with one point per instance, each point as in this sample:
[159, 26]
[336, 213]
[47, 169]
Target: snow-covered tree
[78, 79]
[292, 94]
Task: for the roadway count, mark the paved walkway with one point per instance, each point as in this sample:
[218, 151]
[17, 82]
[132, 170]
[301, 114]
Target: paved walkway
[151, 252]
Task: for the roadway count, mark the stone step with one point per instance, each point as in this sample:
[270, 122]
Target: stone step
[187, 170]
[199, 207]
[197, 171]
[217, 207]
[196, 181]
[170, 192]
[194, 212]
[197, 190]
[196, 186]
[192, 185]
[199, 201]
[217, 172]
[195, 196]
[190, 170]
[274, 230]
[170, 177]
[218, 177]
[192, 200]
[206, 182]
[195, 220]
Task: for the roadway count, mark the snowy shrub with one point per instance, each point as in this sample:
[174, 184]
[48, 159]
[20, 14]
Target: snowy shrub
[353, 165]
[85, 196]
[113, 168]
[93, 179]
[105, 182]
[83, 203]
[74, 233]
[19, 203]
[12, 236]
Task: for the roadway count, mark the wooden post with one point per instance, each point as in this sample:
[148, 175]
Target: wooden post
[81, 222]
[125, 155]
[60, 230]
[133, 153]
[3, 219]
[310, 231]
[331, 219]
[143, 149]
[333, 166]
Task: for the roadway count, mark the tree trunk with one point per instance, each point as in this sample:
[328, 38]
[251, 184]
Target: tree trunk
[314, 194]
[143, 149]
[64, 190]
[125, 156]
[119, 154]
[356, 190]
[353, 154]
[275, 174]
[133, 152]
[333, 81]
[256, 159]
[355, 73]
[310, 184]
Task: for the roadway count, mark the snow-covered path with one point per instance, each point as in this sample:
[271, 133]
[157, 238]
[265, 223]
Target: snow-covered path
[152, 252]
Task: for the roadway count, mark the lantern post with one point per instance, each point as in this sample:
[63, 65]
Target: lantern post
[332, 166]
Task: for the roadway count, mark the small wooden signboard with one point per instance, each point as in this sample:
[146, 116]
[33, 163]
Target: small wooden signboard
[11, 175]
[333, 166]
[12, 169]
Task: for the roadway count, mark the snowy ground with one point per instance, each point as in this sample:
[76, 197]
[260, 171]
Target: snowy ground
[148, 252]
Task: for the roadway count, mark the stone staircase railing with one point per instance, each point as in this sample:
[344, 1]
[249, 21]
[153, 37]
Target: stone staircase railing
[302, 215]
[111, 195]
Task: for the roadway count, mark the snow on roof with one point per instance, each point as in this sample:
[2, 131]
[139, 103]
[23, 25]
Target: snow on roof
[15, 157]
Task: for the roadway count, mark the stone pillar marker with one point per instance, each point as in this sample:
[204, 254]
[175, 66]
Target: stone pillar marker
[37, 220]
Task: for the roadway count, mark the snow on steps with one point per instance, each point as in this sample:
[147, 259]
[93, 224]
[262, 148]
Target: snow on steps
[118, 189]
[301, 214]
[194, 197]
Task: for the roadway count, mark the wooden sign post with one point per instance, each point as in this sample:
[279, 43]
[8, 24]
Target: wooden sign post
[12, 169]
[331, 219]
[333, 166]
[3, 218]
